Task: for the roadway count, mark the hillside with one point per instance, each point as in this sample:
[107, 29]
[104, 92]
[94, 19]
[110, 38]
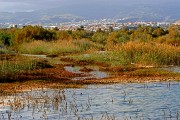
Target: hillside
[137, 11]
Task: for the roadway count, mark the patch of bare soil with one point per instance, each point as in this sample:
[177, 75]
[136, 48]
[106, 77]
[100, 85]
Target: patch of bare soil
[85, 69]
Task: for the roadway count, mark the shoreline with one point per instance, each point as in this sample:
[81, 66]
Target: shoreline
[18, 87]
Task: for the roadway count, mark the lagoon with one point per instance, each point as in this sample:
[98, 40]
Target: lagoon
[131, 101]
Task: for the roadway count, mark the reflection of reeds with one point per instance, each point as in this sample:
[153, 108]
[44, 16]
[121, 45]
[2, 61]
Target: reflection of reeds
[106, 116]
[45, 102]
[42, 102]
[177, 115]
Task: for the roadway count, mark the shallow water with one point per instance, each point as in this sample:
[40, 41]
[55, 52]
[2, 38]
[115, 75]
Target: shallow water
[32, 55]
[135, 101]
[94, 74]
[175, 69]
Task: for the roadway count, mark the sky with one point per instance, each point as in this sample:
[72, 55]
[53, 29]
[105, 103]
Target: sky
[29, 5]
[26, 5]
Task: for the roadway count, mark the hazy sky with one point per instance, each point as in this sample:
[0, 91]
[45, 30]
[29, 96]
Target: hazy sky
[28, 5]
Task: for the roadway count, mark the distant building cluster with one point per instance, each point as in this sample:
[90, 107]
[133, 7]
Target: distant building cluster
[107, 25]
[177, 23]
[93, 25]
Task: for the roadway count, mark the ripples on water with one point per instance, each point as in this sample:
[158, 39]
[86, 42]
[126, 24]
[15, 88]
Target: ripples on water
[155, 101]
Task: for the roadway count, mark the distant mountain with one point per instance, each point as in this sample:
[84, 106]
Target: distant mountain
[165, 10]
[37, 17]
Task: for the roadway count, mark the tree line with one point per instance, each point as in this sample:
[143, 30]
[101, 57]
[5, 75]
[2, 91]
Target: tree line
[15, 36]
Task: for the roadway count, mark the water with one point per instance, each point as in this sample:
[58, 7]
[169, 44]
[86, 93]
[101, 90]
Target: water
[32, 55]
[175, 69]
[94, 74]
[135, 101]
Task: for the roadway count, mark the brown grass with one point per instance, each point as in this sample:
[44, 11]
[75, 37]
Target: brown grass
[149, 53]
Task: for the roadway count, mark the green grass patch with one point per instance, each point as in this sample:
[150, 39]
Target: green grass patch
[110, 58]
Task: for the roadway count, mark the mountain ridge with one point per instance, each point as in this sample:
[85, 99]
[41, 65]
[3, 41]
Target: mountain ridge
[71, 13]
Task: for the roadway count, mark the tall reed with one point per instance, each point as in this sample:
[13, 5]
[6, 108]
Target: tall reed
[150, 53]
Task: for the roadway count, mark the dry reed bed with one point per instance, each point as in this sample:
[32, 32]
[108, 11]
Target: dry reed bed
[150, 53]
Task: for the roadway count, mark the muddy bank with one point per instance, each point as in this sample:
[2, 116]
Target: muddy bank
[59, 83]
[125, 79]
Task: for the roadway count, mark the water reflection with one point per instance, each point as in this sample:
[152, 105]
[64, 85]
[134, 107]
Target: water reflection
[118, 101]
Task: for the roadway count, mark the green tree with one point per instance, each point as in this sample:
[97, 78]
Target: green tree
[158, 32]
[100, 37]
[30, 33]
[120, 36]
[81, 33]
[143, 34]
[5, 39]
[173, 36]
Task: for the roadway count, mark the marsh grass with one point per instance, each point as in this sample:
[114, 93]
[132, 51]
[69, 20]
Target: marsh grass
[109, 58]
[4, 50]
[150, 53]
[57, 47]
[136, 53]
[11, 67]
[88, 45]
[49, 48]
